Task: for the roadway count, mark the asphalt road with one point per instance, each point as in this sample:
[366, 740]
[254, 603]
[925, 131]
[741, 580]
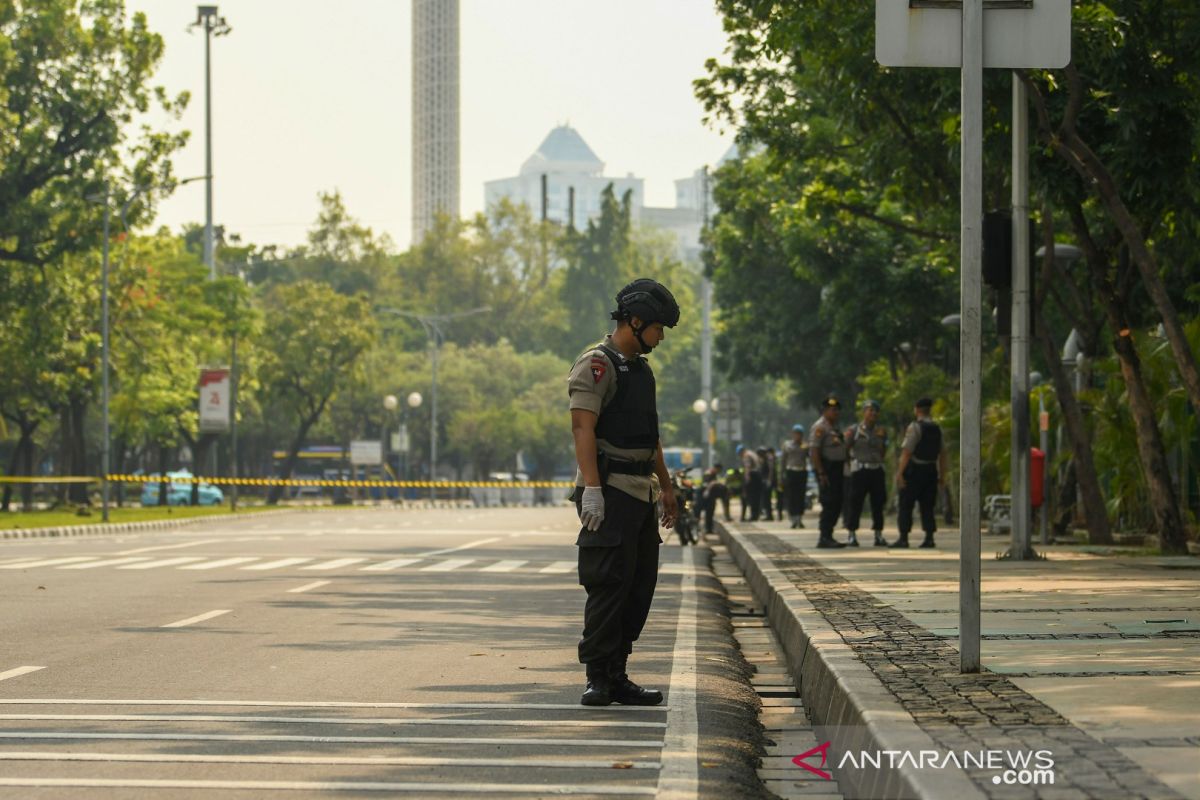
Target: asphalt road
[353, 652]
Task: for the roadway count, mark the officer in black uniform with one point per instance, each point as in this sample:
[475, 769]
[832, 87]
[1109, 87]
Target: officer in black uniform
[614, 420]
[922, 470]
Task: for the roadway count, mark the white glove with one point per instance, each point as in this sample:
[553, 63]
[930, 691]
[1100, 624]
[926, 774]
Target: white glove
[591, 508]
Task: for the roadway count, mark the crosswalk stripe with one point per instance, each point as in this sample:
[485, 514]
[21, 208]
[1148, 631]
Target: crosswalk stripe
[335, 563]
[108, 563]
[17, 672]
[391, 761]
[459, 789]
[50, 562]
[559, 566]
[390, 722]
[166, 562]
[183, 623]
[395, 563]
[283, 562]
[22, 558]
[504, 566]
[505, 741]
[224, 562]
[448, 565]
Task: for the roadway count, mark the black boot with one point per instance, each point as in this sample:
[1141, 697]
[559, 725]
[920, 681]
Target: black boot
[829, 543]
[599, 686]
[901, 542]
[625, 691]
[852, 540]
[928, 541]
[879, 540]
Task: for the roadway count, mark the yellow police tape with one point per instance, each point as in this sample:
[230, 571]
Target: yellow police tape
[302, 482]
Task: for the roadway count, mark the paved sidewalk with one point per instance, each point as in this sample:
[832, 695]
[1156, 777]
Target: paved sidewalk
[1094, 658]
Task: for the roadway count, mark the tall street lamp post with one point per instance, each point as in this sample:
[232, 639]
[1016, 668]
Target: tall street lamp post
[432, 324]
[213, 25]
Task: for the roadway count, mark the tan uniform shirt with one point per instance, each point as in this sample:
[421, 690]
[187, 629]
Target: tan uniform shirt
[592, 386]
[868, 445]
[795, 456]
[828, 441]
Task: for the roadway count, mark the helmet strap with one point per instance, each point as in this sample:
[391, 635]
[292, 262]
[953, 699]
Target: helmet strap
[637, 334]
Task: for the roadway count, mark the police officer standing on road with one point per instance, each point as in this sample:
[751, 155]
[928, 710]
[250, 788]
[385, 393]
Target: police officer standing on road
[752, 482]
[614, 421]
[795, 475]
[828, 453]
[921, 472]
[868, 443]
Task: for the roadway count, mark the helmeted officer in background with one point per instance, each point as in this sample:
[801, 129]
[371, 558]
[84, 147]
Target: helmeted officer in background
[614, 420]
[766, 468]
[867, 442]
[827, 450]
[922, 470]
[795, 475]
[752, 482]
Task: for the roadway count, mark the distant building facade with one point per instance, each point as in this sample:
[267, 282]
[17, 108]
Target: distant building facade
[435, 121]
[568, 163]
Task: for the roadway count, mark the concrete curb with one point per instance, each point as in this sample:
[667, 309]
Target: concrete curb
[130, 527]
[841, 693]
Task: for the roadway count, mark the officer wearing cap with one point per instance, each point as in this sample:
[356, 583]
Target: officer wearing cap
[752, 482]
[867, 442]
[614, 421]
[921, 472]
[795, 475]
[827, 450]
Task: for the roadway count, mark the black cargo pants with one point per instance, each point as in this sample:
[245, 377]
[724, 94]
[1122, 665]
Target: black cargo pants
[920, 486]
[864, 483]
[832, 493]
[618, 566]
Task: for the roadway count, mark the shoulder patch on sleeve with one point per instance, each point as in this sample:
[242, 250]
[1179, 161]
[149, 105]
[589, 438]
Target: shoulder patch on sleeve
[599, 367]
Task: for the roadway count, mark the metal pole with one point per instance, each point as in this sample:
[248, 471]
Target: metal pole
[233, 443]
[209, 258]
[433, 431]
[1020, 549]
[706, 343]
[970, 355]
[1044, 441]
[105, 454]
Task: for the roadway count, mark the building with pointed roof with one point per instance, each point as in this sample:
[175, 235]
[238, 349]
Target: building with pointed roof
[563, 176]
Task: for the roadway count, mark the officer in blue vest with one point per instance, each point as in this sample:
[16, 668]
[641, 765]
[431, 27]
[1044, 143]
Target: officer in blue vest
[614, 421]
[921, 472]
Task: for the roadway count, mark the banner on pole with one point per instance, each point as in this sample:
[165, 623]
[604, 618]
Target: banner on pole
[214, 400]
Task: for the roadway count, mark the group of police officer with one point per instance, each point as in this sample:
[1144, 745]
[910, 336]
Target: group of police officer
[854, 458]
[614, 423]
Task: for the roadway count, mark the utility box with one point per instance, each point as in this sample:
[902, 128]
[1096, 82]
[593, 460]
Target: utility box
[1037, 475]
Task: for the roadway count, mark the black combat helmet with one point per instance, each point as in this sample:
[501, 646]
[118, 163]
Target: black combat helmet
[649, 301]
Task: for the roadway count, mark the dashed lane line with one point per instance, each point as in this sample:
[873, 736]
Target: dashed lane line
[395, 563]
[504, 566]
[166, 562]
[308, 587]
[224, 562]
[505, 741]
[559, 567]
[336, 563]
[395, 721]
[365, 761]
[680, 775]
[183, 623]
[49, 562]
[448, 565]
[461, 789]
[71, 701]
[110, 562]
[283, 562]
[167, 547]
[466, 546]
[18, 672]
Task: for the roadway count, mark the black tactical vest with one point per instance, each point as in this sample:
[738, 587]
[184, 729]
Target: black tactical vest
[630, 420]
[929, 446]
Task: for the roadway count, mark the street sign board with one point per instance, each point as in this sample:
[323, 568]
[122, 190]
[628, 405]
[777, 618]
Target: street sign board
[366, 452]
[729, 430]
[214, 400]
[1016, 35]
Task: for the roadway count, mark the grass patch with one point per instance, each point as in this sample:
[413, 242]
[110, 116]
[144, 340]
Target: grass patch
[20, 520]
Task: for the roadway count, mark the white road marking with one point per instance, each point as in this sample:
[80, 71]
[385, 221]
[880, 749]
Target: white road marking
[283, 562]
[18, 672]
[22, 558]
[482, 723]
[198, 618]
[107, 563]
[448, 565]
[49, 562]
[466, 546]
[504, 566]
[166, 562]
[559, 566]
[224, 562]
[167, 547]
[69, 701]
[335, 563]
[306, 587]
[388, 761]
[506, 741]
[680, 775]
[461, 789]
[395, 563]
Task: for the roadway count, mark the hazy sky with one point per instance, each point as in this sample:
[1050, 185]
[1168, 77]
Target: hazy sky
[315, 95]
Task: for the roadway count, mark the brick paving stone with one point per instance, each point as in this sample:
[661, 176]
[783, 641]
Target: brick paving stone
[920, 669]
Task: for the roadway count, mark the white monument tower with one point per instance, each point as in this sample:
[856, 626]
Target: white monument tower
[435, 139]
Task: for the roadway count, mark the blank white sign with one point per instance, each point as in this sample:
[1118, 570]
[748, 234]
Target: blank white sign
[1014, 38]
